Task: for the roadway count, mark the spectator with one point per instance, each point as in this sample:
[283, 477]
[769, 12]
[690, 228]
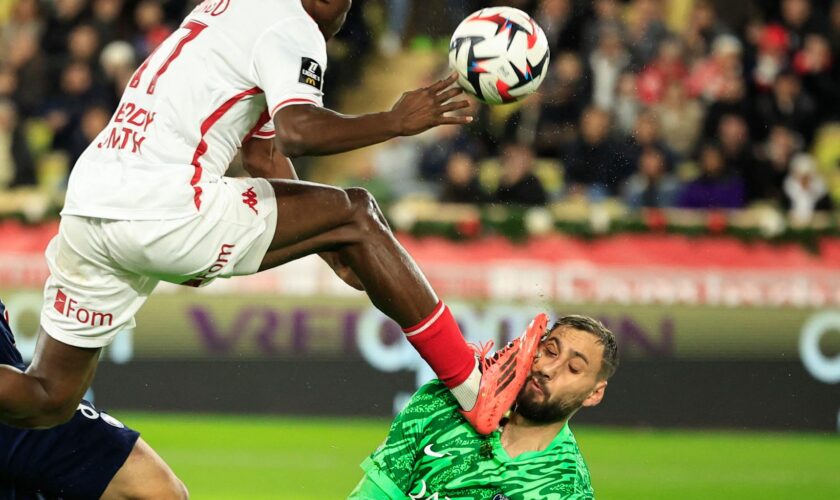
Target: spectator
[83, 44]
[595, 164]
[152, 29]
[529, 125]
[118, 65]
[668, 68]
[65, 15]
[564, 94]
[519, 185]
[789, 106]
[607, 18]
[734, 139]
[31, 73]
[732, 101]
[834, 28]
[646, 30]
[815, 67]
[703, 27]
[680, 120]
[771, 57]
[461, 184]
[606, 63]
[627, 106]
[805, 190]
[646, 136]
[716, 186]
[108, 22]
[92, 121]
[800, 21]
[712, 77]
[25, 18]
[651, 186]
[66, 109]
[16, 165]
[556, 17]
[774, 158]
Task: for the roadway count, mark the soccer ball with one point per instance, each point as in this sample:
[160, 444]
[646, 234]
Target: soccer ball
[500, 54]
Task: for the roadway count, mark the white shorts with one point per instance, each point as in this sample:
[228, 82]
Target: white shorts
[102, 270]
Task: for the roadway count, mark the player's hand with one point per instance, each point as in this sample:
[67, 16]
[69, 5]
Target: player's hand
[422, 109]
[342, 270]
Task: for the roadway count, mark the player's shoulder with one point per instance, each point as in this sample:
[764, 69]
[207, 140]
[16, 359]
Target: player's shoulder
[572, 466]
[430, 399]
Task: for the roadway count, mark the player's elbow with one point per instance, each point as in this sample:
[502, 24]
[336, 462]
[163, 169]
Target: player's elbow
[291, 142]
[300, 130]
[54, 412]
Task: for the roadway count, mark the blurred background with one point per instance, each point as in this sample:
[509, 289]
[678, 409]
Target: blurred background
[677, 176]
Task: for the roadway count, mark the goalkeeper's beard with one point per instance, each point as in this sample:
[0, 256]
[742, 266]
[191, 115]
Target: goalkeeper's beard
[541, 408]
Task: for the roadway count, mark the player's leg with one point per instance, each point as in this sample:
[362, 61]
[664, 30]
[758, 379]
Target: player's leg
[145, 476]
[314, 218]
[87, 301]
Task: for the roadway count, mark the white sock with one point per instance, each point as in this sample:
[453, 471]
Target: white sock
[467, 392]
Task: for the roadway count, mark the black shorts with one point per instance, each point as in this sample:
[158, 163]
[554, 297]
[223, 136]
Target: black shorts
[76, 460]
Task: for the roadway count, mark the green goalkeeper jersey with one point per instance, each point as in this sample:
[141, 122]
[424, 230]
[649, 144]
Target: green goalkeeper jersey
[432, 453]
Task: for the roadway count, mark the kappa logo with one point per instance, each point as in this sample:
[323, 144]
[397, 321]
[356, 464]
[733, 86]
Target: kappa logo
[249, 198]
[432, 453]
[311, 73]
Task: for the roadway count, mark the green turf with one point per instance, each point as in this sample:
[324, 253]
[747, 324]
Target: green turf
[222, 457]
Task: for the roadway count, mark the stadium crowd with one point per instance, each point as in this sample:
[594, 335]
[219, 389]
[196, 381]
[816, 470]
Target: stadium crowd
[711, 114]
[704, 113]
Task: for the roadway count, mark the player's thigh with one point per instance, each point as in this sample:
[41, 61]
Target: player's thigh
[307, 210]
[145, 476]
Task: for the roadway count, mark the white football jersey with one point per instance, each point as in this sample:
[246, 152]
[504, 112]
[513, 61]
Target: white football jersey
[214, 83]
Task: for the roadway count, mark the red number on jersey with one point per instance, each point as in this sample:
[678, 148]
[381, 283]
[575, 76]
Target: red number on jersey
[194, 28]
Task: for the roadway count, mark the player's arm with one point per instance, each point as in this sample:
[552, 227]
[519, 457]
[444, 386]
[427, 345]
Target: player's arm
[310, 130]
[50, 390]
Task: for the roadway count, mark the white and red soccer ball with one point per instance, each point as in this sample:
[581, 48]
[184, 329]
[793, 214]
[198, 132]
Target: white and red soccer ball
[500, 54]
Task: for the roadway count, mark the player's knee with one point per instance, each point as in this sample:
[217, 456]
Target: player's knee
[366, 212]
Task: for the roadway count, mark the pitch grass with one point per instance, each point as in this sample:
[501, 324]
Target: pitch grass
[227, 457]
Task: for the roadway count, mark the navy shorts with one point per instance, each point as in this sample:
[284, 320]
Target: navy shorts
[76, 460]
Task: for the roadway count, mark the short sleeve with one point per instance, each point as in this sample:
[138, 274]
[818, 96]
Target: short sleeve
[266, 131]
[289, 61]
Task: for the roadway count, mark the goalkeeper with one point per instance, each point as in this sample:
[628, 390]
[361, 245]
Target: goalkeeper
[431, 452]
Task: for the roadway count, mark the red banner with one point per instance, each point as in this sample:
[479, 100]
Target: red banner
[632, 269]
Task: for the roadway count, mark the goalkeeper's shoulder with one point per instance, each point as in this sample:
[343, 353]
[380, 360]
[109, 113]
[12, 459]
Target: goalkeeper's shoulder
[431, 397]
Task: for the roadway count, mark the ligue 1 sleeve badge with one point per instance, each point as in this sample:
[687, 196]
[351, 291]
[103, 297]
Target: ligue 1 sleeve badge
[311, 73]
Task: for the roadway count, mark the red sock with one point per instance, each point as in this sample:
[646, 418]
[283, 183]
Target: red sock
[439, 341]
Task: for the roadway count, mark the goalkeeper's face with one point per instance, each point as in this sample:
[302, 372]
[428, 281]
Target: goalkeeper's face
[565, 377]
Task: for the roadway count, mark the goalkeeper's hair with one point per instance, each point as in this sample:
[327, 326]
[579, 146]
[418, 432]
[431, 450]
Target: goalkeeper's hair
[606, 338]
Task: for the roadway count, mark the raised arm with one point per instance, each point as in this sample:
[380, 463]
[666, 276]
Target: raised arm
[310, 130]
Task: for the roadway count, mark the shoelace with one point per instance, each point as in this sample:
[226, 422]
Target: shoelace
[484, 348]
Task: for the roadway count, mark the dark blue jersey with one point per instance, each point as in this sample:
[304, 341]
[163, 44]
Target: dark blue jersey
[9, 354]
